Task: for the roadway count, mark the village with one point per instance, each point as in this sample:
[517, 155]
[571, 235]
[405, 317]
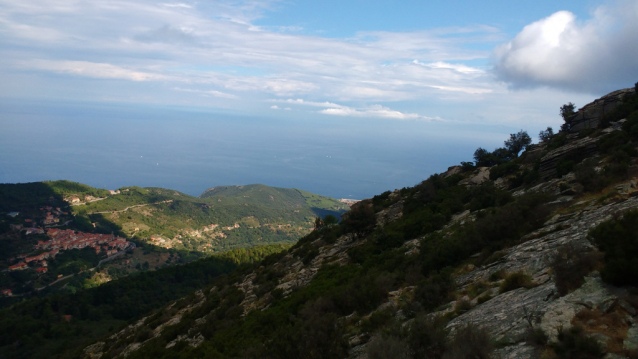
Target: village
[68, 239]
[59, 240]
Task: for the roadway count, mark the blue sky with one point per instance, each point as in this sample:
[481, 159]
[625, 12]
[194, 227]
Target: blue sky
[464, 61]
[447, 65]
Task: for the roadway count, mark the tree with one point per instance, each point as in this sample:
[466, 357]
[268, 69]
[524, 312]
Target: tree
[546, 136]
[517, 142]
[567, 112]
[489, 159]
[481, 156]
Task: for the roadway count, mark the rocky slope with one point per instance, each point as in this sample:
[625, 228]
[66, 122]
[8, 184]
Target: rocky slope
[527, 319]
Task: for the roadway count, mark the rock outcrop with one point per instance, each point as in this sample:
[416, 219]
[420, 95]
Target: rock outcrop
[591, 114]
[577, 150]
[510, 316]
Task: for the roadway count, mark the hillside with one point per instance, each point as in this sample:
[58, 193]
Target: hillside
[527, 252]
[156, 228]
[221, 219]
[532, 256]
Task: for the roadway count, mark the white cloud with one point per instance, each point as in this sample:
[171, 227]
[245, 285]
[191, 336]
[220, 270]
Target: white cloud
[373, 111]
[308, 103]
[180, 40]
[92, 69]
[274, 107]
[597, 55]
[213, 93]
[182, 5]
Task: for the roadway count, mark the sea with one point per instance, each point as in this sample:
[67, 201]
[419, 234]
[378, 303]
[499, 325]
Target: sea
[111, 145]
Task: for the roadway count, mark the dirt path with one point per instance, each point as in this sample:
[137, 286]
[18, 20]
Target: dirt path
[134, 206]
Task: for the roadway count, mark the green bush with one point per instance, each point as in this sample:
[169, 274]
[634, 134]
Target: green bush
[435, 290]
[571, 264]
[575, 344]
[469, 341]
[618, 239]
[503, 170]
[427, 337]
[387, 347]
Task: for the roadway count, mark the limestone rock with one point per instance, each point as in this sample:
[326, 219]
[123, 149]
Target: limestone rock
[613, 356]
[451, 171]
[480, 175]
[579, 148]
[390, 214]
[631, 343]
[518, 351]
[589, 116]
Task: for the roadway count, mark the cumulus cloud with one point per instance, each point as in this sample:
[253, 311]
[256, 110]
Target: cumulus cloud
[593, 56]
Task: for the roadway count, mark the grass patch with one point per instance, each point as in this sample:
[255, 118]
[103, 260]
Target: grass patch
[516, 280]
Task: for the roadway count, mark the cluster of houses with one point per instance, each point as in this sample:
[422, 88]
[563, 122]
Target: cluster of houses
[30, 225]
[68, 239]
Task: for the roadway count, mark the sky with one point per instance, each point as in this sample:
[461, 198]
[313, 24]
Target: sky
[443, 66]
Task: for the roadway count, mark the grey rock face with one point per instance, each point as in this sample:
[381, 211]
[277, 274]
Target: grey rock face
[520, 351]
[480, 175]
[631, 343]
[390, 214]
[590, 115]
[510, 316]
[585, 147]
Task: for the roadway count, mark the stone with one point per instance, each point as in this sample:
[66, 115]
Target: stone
[631, 343]
[602, 340]
[624, 305]
[613, 356]
[607, 305]
[390, 214]
[520, 351]
[451, 171]
[481, 175]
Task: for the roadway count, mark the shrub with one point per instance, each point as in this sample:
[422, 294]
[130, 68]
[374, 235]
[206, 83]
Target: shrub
[564, 166]
[575, 344]
[503, 170]
[462, 306]
[498, 275]
[375, 321]
[427, 337]
[360, 219]
[514, 281]
[387, 347]
[477, 288]
[434, 290]
[546, 136]
[587, 175]
[618, 239]
[484, 298]
[469, 341]
[571, 264]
